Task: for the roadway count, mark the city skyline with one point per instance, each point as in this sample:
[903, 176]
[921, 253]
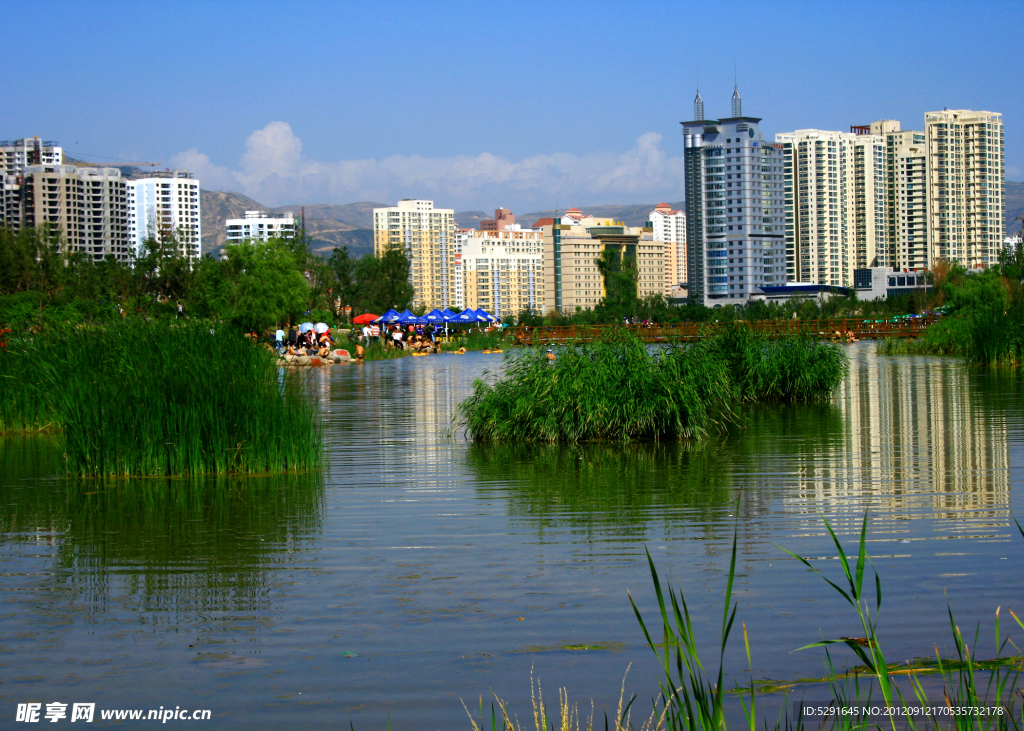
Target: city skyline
[313, 103]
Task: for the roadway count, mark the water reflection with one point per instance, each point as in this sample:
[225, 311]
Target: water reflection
[176, 546]
[921, 440]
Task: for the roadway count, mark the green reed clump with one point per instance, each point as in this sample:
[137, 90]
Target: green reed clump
[171, 399]
[796, 368]
[23, 403]
[604, 390]
[618, 389]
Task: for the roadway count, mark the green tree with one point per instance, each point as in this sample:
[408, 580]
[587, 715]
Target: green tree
[261, 283]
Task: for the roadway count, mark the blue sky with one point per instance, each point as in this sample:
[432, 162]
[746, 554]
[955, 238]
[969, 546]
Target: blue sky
[526, 105]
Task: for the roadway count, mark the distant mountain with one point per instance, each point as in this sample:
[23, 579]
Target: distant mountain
[328, 226]
[631, 215]
[1014, 206]
[471, 219]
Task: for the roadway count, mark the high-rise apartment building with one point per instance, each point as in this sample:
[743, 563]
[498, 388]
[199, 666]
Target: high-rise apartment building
[162, 204]
[15, 156]
[966, 203]
[834, 204]
[427, 235]
[88, 205]
[734, 208]
[571, 276]
[669, 227]
[906, 173]
[260, 226]
[502, 271]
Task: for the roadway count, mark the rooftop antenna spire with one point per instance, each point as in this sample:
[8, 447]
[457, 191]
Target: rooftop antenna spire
[737, 103]
[698, 103]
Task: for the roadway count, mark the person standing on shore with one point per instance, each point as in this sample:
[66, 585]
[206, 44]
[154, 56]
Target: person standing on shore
[375, 333]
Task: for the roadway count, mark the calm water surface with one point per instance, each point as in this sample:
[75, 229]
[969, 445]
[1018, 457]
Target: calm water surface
[420, 570]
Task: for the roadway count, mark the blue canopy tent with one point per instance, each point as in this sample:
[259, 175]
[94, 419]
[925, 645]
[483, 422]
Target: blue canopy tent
[435, 317]
[407, 318]
[486, 315]
[388, 317]
[449, 314]
[468, 316]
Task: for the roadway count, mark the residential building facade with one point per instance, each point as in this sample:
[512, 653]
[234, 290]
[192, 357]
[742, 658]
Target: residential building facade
[572, 278]
[88, 205]
[260, 226]
[906, 172]
[502, 271]
[162, 204]
[669, 227]
[427, 235]
[734, 208]
[966, 191]
[835, 210]
[15, 156]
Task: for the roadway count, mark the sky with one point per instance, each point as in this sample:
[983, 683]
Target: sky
[476, 105]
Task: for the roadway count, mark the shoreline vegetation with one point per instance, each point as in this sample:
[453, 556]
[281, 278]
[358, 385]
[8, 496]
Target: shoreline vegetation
[617, 389]
[692, 697]
[156, 398]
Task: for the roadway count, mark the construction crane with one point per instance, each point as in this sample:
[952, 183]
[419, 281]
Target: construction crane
[119, 164]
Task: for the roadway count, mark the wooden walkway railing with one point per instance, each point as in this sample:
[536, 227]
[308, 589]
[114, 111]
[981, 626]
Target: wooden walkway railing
[860, 328]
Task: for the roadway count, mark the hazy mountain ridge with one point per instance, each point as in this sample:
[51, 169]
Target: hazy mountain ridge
[351, 225]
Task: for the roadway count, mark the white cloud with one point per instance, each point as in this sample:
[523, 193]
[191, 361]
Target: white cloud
[273, 171]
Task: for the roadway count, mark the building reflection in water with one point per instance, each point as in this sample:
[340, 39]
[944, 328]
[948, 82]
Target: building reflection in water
[922, 438]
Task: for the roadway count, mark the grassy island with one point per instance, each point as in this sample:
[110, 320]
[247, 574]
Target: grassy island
[619, 389]
[140, 398]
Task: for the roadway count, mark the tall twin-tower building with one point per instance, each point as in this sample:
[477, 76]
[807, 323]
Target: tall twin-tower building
[815, 205]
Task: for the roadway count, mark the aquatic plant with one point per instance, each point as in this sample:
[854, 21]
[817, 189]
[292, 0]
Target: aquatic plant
[23, 403]
[141, 398]
[617, 388]
[693, 699]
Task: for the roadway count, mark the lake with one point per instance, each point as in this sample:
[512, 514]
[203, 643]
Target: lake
[420, 571]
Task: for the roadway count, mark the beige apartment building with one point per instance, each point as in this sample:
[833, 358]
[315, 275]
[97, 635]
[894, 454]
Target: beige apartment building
[572, 278]
[906, 172]
[502, 271]
[966, 203]
[428, 236]
[88, 205]
[834, 204]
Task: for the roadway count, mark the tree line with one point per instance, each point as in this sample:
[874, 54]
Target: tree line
[254, 285]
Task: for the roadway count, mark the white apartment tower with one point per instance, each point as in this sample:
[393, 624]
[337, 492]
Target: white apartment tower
[669, 227]
[427, 235]
[966, 202]
[835, 204]
[260, 226]
[734, 208]
[161, 204]
[502, 272]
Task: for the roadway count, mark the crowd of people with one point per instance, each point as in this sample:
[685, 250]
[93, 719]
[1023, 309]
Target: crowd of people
[417, 338]
[307, 342]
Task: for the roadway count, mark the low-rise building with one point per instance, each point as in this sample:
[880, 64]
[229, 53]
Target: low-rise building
[883, 282]
[503, 218]
[260, 226]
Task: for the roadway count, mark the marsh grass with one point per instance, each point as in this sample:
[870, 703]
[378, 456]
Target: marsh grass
[618, 389]
[23, 403]
[154, 399]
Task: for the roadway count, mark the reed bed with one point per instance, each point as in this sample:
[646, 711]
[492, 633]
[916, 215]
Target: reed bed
[142, 398]
[618, 389]
[23, 403]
